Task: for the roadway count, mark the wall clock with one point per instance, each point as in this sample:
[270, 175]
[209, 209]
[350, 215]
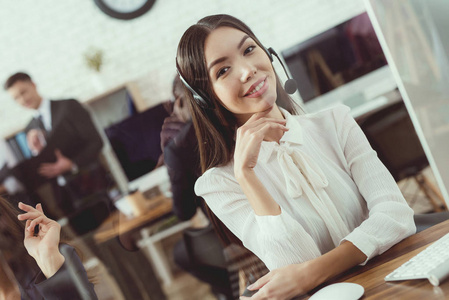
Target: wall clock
[124, 9]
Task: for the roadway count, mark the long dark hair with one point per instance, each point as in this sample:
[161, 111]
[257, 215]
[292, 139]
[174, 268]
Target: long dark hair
[214, 126]
[12, 233]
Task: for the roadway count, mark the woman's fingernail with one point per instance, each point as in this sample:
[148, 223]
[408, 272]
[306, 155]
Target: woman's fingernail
[250, 286]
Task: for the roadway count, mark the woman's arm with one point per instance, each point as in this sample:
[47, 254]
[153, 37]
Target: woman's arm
[56, 280]
[248, 142]
[259, 198]
[297, 279]
[390, 218]
[43, 244]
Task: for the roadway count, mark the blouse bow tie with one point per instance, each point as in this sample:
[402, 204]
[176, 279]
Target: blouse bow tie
[301, 173]
[299, 170]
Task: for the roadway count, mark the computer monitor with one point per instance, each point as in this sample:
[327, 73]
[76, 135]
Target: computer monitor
[335, 57]
[19, 146]
[136, 141]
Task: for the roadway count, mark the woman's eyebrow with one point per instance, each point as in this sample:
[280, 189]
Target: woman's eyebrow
[242, 41]
[221, 59]
[218, 60]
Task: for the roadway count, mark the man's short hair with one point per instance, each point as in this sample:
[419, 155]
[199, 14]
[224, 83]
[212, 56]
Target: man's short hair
[20, 76]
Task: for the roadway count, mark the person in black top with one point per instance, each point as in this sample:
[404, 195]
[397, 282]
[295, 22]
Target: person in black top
[180, 148]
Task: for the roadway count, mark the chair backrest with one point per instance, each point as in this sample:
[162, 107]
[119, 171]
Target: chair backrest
[391, 134]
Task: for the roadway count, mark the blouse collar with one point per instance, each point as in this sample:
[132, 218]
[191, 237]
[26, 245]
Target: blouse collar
[293, 136]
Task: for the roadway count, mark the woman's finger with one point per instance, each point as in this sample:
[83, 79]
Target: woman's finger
[27, 232]
[257, 127]
[34, 223]
[39, 208]
[262, 129]
[29, 215]
[261, 114]
[26, 207]
[249, 125]
[260, 282]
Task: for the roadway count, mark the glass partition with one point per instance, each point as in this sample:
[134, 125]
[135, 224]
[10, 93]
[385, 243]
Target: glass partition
[413, 35]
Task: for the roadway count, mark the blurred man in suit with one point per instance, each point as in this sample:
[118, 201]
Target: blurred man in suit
[63, 124]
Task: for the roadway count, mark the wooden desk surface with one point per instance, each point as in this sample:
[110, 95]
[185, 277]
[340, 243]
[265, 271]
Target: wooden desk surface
[371, 276]
[117, 223]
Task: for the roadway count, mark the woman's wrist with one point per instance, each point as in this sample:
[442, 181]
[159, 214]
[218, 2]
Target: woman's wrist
[259, 198]
[49, 261]
[243, 174]
[337, 261]
[317, 272]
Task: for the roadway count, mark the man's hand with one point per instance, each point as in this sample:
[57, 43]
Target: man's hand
[35, 141]
[171, 127]
[52, 170]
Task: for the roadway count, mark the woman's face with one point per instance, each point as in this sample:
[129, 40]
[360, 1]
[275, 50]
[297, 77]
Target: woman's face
[240, 71]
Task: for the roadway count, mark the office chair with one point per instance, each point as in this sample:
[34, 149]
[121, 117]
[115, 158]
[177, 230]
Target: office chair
[90, 203]
[244, 268]
[391, 134]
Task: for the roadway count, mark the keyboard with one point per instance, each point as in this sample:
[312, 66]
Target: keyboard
[432, 263]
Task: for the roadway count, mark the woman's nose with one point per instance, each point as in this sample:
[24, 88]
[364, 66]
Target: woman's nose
[248, 71]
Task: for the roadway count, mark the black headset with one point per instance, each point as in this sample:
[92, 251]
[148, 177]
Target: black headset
[289, 86]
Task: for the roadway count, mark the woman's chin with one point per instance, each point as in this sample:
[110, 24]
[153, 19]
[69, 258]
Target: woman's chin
[268, 104]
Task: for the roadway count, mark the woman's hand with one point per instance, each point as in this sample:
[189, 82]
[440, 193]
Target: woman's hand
[297, 279]
[43, 245]
[284, 283]
[249, 139]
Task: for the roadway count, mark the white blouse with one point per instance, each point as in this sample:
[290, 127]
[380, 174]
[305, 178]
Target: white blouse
[330, 187]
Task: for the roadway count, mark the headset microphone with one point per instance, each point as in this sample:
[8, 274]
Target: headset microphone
[290, 85]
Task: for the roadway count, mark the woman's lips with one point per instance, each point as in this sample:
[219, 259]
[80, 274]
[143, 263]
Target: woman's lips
[257, 89]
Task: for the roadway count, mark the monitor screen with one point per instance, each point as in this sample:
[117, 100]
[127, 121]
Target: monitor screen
[136, 141]
[335, 57]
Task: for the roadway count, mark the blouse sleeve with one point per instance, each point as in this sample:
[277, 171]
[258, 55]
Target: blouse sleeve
[277, 240]
[390, 218]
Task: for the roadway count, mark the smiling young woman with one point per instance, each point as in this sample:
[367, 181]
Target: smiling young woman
[303, 192]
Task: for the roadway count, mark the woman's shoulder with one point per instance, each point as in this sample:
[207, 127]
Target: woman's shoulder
[330, 117]
[216, 178]
[216, 173]
[335, 112]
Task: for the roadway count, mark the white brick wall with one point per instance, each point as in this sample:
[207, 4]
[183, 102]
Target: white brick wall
[47, 39]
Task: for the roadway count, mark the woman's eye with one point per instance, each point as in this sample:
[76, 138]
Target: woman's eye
[222, 71]
[249, 49]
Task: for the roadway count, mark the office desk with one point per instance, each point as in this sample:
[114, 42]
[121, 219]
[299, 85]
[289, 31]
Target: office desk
[371, 276]
[118, 224]
[131, 269]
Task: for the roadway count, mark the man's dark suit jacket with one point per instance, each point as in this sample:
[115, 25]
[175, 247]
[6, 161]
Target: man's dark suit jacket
[73, 132]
